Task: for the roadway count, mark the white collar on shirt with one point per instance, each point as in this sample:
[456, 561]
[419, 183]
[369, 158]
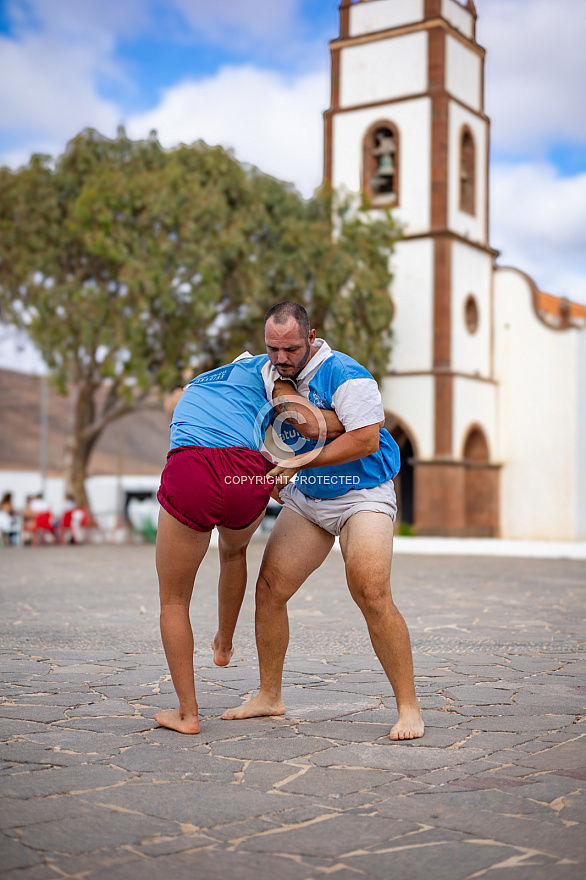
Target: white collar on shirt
[312, 366]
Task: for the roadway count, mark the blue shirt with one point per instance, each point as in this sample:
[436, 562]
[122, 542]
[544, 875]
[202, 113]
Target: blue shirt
[224, 407]
[332, 380]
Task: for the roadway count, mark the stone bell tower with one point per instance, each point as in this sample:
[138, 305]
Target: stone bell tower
[407, 126]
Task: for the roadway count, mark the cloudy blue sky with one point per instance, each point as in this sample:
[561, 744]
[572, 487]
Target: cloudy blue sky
[254, 75]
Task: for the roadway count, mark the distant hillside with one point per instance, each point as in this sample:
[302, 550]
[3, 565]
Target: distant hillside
[139, 441]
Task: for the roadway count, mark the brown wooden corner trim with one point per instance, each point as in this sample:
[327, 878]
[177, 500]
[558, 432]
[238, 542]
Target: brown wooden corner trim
[439, 159]
[432, 9]
[416, 96]
[436, 62]
[335, 80]
[487, 179]
[345, 17]
[454, 236]
[343, 42]
[443, 461]
[441, 371]
[328, 147]
[437, 461]
[443, 433]
[350, 108]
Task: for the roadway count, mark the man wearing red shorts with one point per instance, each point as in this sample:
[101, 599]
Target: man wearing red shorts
[215, 476]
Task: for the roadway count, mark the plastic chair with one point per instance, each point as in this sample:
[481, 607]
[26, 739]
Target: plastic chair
[84, 527]
[64, 528]
[43, 526]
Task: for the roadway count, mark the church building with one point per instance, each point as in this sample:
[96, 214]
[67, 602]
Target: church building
[486, 390]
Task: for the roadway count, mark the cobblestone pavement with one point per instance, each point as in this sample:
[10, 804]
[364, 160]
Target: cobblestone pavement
[92, 788]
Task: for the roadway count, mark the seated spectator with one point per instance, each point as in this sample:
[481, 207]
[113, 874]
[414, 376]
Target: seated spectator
[9, 522]
[42, 518]
[63, 520]
[81, 522]
[39, 505]
[28, 521]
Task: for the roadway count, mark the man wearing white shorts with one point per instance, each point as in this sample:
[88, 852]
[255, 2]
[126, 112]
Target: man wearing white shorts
[343, 488]
[332, 514]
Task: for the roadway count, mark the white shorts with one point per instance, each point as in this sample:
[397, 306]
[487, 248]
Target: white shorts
[331, 514]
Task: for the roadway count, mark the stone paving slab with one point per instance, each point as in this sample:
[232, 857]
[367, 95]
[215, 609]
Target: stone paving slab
[442, 859]
[331, 836]
[94, 829]
[91, 788]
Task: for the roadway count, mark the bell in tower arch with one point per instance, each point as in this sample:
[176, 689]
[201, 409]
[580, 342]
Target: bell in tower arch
[383, 180]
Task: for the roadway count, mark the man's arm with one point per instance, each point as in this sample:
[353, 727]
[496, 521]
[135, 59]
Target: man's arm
[171, 400]
[350, 446]
[311, 422]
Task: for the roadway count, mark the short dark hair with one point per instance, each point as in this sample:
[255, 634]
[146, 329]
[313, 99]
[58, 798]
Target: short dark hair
[281, 312]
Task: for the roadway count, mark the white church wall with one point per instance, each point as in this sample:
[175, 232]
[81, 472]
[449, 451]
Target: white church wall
[458, 17]
[411, 399]
[463, 73]
[471, 274]
[365, 18]
[536, 368]
[468, 225]
[383, 70]
[413, 121]
[412, 295]
[580, 450]
[474, 404]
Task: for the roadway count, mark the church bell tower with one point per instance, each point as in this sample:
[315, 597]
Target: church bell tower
[407, 127]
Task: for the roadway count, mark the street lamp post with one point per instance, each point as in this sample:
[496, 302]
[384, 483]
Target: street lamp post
[44, 446]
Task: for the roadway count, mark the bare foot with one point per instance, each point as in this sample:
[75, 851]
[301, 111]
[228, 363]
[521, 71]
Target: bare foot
[221, 657]
[409, 726]
[172, 719]
[256, 707]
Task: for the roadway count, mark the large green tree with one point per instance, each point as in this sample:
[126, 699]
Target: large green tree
[130, 266]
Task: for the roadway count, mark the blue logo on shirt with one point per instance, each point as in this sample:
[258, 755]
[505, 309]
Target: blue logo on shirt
[219, 375]
[316, 399]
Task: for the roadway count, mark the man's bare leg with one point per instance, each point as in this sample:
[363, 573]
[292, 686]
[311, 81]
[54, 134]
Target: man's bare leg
[366, 542]
[233, 544]
[180, 551]
[295, 549]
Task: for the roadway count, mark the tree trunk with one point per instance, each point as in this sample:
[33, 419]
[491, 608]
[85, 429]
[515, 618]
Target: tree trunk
[79, 446]
[87, 428]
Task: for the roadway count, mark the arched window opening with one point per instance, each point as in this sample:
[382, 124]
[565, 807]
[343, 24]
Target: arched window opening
[481, 487]
[476, 447]
[471, 313]
[467, 172]
[381, 163]
[405, 479]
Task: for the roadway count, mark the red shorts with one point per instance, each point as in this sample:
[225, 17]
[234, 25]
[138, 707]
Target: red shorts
[203, 487]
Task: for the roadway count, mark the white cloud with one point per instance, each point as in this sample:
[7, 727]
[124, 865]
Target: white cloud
[270, 120]
[535, 72]
[87, 21]
[241, 24]
[48, 88]
[539, 225]
[49, 70]
[59, 54]
[233, 24]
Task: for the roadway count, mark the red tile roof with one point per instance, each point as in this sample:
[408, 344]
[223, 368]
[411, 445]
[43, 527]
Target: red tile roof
[556, 306]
